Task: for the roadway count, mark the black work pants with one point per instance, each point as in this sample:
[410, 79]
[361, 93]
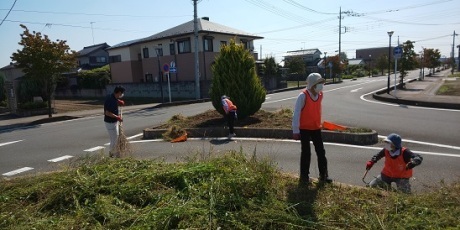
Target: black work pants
[231, 121]
[305, 156]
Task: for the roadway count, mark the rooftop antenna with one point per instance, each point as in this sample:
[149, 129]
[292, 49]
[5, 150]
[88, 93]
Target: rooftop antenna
[92, 31]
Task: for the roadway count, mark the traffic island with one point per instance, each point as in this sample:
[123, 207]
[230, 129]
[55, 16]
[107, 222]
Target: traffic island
[365, 138]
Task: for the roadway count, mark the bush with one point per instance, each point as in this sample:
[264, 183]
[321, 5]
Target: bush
[29, 88]
[234, 74]
[94, 79]
[33, 105]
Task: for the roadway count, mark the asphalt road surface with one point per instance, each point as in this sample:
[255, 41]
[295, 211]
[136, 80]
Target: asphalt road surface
[434, 133]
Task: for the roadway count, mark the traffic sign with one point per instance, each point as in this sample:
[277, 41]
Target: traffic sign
[397, 52]
[166, 68]
[173, 70]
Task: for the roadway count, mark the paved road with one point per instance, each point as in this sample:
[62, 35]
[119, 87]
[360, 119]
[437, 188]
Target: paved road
[38, 147]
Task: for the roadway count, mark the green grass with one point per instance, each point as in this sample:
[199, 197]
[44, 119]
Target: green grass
[450, 88]
[229, 191]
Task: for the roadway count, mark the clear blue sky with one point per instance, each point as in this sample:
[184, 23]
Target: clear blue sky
[286, 25]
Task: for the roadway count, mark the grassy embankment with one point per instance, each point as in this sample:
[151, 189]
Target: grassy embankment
[231, 191]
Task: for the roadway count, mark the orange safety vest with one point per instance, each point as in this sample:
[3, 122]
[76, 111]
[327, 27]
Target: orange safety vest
[310, 116]
[231, 106]
[396, 168]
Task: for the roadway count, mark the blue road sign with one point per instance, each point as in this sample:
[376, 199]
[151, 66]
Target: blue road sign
[173, 70]
[397, 51]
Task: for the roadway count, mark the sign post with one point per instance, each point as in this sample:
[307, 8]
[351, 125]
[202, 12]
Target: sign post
[397, 52]
[166, 71]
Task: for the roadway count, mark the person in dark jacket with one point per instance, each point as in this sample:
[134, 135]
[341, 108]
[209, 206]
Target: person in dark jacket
[399, 162]
[112, 116]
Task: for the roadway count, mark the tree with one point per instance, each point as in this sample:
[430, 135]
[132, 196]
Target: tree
[337, 65]
[382, 63]
[407, 61]
[270, 66]
[295, 65]
[234, 75]
[44, 60]
[431, 58]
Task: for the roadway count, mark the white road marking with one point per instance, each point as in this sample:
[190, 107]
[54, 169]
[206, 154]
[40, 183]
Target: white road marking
[398, 105]
[137, 135]
[17, 171]
[60, 158]
[11, 142]
[94, 149]
[427, 143]
[355, 90]
[294, 141]
[349, 86]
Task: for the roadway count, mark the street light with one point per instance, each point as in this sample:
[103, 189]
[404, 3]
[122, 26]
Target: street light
[370, 71]
[389, 60]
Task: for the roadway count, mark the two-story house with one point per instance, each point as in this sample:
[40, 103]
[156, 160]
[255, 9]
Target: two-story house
[94, 56]
[311, 58]
[143, 60]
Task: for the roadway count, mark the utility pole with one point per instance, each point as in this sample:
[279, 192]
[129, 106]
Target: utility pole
[340, 38]
[92, 31]
[453, 52]
[197, 66]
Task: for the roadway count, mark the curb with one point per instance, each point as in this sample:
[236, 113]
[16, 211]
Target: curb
[392, 99]
[328, 136]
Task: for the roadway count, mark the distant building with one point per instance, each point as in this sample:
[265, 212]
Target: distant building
[95, 56]
[11, 72]
[370, 54]
[311, 57]
[142, 60]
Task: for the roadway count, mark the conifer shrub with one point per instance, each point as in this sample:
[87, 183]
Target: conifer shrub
[234, 75]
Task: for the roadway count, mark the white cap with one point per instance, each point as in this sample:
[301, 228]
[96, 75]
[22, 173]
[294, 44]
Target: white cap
[313, 79]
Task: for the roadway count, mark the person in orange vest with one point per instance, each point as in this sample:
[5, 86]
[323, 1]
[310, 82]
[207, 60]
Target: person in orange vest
[230, 113]
[306, 126]
[399, 162]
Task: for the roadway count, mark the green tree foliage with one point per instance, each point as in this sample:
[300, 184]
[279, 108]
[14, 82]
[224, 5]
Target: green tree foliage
[95, 78]
[407, 61]
[2, 88]
[28, 88]
[295, 65]
[234, 75]
[382, 63]
[271, 68]
[44, 60]
[431, 58]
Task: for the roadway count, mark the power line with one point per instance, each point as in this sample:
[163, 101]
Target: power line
[92, 14]
[14, 3]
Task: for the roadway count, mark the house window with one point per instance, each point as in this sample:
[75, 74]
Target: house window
[148, 77]
[115, 58]
[223, 43]
[207, 44]
[159, 52]
[145, 51]
[101, 60]
[184, 46]
[172, 49]
[245, 43]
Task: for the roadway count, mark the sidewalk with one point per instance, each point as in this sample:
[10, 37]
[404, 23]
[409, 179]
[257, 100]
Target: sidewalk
[421, 93]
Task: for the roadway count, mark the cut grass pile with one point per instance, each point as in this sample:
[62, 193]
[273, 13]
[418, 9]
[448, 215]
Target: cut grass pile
[232, 191]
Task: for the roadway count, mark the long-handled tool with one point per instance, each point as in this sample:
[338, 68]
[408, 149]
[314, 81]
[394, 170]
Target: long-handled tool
[123, 147]
[364, 176]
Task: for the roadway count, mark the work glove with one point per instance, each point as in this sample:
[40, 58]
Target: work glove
[410, 165]
[119, 118]
[369, 165]
[121, 102]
